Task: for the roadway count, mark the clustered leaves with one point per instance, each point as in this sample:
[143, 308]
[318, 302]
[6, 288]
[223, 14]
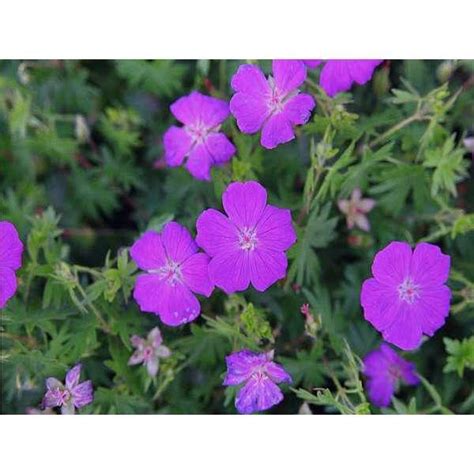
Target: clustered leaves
[82, 176]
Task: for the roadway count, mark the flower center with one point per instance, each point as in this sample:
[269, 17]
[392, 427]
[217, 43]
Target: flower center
[394, 372]
[171, 272]
[198, 133]
[62, 395]
[147, 353]
[275, 101]
[248, 239]
[408, 291]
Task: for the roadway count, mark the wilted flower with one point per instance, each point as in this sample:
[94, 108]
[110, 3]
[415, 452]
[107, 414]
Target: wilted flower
[149, 351]
[260, 376]
[70, 396]
[407, 296]
[175, 270]
[37, 411]
[11, 250]
[384, 369]
[248, 245]
[356, 209]
[274, 105]
[199, 140]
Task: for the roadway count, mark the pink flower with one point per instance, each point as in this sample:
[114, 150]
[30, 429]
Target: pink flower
[355, 210]
[248, 244]
[273, 105]
[407, 296]
[174, 271]
[70, 396]
[11, 250]
[199, 140]
[149, 351]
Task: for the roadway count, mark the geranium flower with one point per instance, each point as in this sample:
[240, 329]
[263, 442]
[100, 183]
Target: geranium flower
[273, 105]
[338, 75]
[70, 396]
[407, 296]
[260, 376]
[248, 245]
[174, 271]
[199, 140]
[149, 351]
[384, 369]
[11, 250]
[356, 209]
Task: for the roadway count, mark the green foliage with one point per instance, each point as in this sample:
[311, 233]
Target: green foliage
[461, 355]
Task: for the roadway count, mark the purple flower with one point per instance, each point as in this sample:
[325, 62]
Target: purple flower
[260, 376]
[273, 105]
[11, 250]
[174, 270]
[356, 209]
[72, 395]
[149, 351]
[338, 75]
[407, 296]
[384, 369]
[199, 140]
[248, 245]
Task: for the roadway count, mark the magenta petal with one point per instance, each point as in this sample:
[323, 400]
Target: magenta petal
[335, 78]
[277, 373]
[258, 394]
[405, 331]
[312, 63]
[230, 271]
[11, 247]
[177, 241]
[220, 147]
[187, 109]
[8, 285]
[215, 232]
[177, 305]
[244, 203]
[380, 303]
[432, 308]
[147, 292]
[249, 111]
[240, 366]
[148, 251]
[177, 144]
[249, 79]
[72, 376]
[275, 229]
[298, 109]
[213, 111]
[288, 74]
[429, 266]
[199, 163]
[362, 70]
[276, 130]
[392, 264]
[380, 390]
[196, 274]
[266, 267]
[82, 394]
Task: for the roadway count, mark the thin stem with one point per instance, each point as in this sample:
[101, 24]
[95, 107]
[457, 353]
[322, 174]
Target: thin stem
[416, 117]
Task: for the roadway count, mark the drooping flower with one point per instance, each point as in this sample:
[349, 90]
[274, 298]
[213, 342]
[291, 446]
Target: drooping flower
[70, 396]
[149, 351]
[384, 369]
[11, 250]
[356, 209]
[273, 105]
[248, 245]
[259, 376]
[199, 140]
[338, 75]
[174, 271]
[407, 296]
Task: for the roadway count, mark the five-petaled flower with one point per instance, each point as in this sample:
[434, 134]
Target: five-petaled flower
[356, 209]
[11, 250]
[248, 245]
[199, 140]
[407, 296]
[273, 105]
[70, 396]
[149, 351]
[338, 75]
[260, 376]
[384, 369]
[174, 270]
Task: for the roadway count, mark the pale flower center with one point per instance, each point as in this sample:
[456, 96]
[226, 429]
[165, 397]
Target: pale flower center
[147, 353]
[248, 239]
[171, 272]
[198, 132]
[408, 291]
